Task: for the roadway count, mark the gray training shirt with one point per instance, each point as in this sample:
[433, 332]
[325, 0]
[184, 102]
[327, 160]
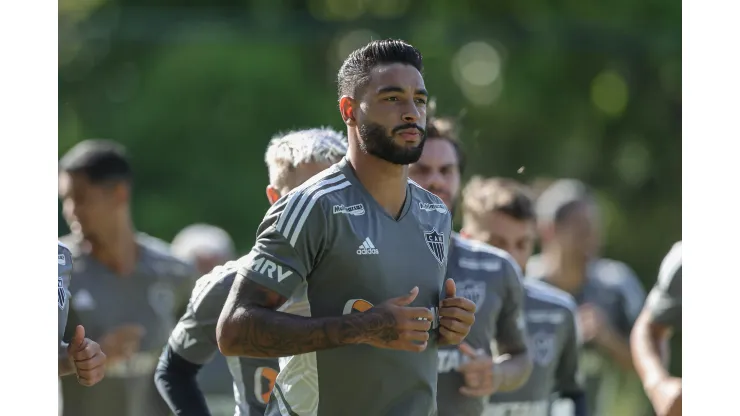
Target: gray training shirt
[64, 262]
[614, 288]
[490, 278]
[194, 339]
[102, 302]
[664, 301]
[331, 249]
[554, 345]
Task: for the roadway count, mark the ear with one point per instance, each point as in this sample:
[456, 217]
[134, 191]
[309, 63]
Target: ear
[346, 109]
[272, 194]
[547, 232]
[121, 193]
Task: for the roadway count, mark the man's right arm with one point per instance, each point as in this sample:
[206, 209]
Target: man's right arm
[661, 313]
[291, 240]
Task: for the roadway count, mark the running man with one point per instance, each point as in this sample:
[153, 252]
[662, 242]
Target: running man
[501, 212]
[127, 287]
[346, 280]
[609, 295]
[656, 324]
[487, 276]
[291, 159]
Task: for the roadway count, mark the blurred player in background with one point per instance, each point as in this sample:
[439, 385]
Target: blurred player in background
[656, 324]
[501, 212]
[346, 253]
[126, 286]
[487, 276]
[206, 246]
[608, 293]
[291, 159]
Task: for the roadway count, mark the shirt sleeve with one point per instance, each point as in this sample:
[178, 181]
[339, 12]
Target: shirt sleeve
[568, 379]
[632, 296]
[664, 301]
[64, 266]
[290, 241]
[194, 336]
[511, 328]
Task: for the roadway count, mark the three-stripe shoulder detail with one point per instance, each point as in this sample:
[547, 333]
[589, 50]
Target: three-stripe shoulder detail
[297, 205]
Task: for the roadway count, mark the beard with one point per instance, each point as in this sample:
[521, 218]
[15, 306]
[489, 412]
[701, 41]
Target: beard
[374, 141]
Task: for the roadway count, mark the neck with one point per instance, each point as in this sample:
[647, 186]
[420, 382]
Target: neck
[564, 273]
[385, 181]
[117, 250]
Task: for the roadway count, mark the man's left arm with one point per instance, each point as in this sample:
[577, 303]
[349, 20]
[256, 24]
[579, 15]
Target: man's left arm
[514, 364]
[568, 379]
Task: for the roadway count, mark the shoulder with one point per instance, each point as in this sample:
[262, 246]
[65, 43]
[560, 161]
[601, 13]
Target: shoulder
[496, 258]
[214, 287]
[70, 243]
[303, 199]
[613, 273]
[549, 294]
[157, 254]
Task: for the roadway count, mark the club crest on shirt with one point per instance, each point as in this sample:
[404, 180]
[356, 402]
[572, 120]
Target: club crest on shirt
[61, 294]
[543, 346]
[474, 291]
[436, 243]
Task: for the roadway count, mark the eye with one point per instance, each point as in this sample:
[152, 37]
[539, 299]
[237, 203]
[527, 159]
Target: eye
[421, 101]
[391, 99]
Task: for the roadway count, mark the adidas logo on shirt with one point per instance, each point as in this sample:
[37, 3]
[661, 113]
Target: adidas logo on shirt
[367, 247]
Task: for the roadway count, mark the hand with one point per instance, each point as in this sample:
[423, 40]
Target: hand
[123, 342]
[666, 397]
[394, 325]
[456, 316]
[479, 373]
[593, 324]
[87, 358]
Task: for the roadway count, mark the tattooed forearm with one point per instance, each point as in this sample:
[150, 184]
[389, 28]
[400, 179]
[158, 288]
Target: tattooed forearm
[249, 326]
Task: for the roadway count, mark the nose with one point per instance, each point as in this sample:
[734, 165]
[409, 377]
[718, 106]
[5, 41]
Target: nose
[411, 113]
[436, 181]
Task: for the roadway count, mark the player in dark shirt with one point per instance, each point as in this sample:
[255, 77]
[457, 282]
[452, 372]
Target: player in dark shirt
[501, 212]
[489, 277]
[355, 262]
[291, 159]
[656, 324]
[127, 287]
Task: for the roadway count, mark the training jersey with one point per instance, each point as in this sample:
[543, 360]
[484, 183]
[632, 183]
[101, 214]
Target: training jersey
[614, 288]
[101, 301]
[331, 249]
[554, 345]
[194, 339]
[491, 279]
[64, 267]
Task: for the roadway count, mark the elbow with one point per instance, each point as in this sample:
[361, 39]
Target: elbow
[228, 336]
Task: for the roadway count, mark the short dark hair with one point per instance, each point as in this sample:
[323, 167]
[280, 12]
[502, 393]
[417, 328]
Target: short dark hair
[485, 195]
[445, 128]
[556, 203]
[101, 161]
[355, 71]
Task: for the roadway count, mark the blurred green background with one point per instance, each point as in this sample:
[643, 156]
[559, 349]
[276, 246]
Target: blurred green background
[195, 89]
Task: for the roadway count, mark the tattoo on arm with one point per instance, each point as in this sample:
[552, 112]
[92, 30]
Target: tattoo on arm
[254, 328]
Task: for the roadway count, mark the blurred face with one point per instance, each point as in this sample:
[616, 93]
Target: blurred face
[437, 170]
[498, 229]
[578, 234]
[86, 207]
[301, 174]
[390, 116]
